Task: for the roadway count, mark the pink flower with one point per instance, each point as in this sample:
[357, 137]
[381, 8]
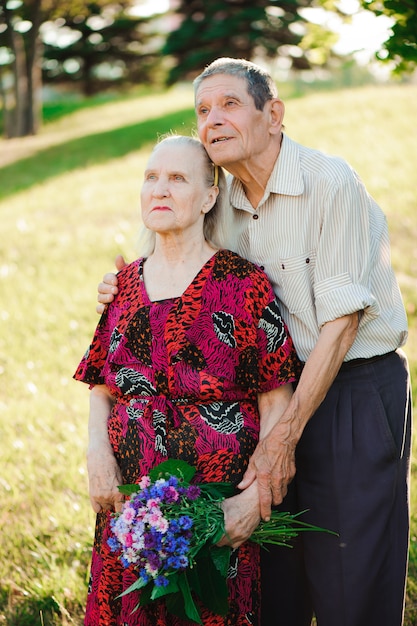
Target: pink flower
[128, 514]
[144, 482]
[162, 525]
[154, 518]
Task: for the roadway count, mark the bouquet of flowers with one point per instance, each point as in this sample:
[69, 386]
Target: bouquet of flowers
[168, 530]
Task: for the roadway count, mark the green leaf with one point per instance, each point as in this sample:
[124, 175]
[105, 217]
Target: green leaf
[218, 491]
[128, 489]
[213, 590]
[145, 594]
[173, 467]
[191, 610]
[175, 605]
[220, 555]
[172, 587]
[138, 584]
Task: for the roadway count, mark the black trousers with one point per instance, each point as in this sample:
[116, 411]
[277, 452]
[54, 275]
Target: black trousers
[353, 476]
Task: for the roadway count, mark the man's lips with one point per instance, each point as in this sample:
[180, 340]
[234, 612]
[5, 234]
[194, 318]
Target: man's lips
[220, 139]
[161, 208]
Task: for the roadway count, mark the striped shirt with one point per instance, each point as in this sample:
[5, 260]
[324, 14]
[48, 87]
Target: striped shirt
[323, 242]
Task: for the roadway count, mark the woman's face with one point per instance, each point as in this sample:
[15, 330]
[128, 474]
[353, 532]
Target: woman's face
[174, 195]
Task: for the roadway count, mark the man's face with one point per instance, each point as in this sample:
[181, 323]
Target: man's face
[232, 130]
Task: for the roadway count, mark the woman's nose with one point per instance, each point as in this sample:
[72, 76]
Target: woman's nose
[160, 189]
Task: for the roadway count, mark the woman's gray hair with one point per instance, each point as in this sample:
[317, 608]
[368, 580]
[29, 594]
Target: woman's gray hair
[259, 82]
[216, 221]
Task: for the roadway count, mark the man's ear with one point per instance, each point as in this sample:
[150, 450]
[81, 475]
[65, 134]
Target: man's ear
[276, 114]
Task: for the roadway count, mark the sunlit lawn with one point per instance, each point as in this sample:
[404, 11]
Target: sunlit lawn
[68, 205]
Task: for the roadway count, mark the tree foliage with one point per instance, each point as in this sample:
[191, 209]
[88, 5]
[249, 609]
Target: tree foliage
[21, 24]
[237, 28]
[401, 47]
[102, 51]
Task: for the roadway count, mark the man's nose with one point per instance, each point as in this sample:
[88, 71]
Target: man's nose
[215, 117]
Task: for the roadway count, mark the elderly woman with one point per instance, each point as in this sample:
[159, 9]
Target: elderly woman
[191, 361]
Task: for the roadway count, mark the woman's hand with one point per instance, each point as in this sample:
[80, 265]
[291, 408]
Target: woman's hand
[241, 516]
[104, 477]
[104, 474]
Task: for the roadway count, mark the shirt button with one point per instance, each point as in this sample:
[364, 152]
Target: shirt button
[262, 267]
[283, 266]
[255, 216]
[307, 260]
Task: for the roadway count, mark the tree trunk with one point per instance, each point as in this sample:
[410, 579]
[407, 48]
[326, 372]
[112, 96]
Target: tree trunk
[23, 111]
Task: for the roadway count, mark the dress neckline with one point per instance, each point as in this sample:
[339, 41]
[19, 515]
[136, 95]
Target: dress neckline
[204, 268]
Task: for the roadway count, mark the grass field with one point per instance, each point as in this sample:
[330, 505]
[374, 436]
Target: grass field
[68, 205]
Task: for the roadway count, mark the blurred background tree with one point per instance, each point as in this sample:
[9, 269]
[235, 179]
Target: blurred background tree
[91, 46]
[401, 47]
[86, 35]
[105, 48]
[245, 29]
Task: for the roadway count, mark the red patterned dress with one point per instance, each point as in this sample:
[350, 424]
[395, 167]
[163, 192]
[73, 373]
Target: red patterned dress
[185, 373]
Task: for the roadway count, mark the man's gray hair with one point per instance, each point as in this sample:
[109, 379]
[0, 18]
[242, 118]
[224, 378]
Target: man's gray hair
[259, 82]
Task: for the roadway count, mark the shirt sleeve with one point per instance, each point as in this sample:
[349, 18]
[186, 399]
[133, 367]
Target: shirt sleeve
[349, 246]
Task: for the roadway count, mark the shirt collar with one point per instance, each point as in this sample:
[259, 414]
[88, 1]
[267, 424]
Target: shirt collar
[286, 177]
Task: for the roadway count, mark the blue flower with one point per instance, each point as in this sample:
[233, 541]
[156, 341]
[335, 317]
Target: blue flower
[185, 522]
[161, 581]
[174, 562]
[113, 544]
[143, 575]
[183, 561]
[182, 546]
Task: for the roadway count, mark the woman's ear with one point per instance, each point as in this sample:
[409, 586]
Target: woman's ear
[212, 194]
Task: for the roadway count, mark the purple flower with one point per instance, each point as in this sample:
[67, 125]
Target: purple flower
[193, 492]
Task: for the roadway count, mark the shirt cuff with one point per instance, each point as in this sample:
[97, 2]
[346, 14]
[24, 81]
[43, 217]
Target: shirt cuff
[338, 296]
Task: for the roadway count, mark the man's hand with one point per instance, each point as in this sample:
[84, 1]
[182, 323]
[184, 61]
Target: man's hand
[273, 466]
[108, 288]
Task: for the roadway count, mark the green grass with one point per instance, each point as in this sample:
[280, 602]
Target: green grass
[68, 204]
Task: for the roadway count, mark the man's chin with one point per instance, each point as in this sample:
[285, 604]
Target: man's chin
[220, 157]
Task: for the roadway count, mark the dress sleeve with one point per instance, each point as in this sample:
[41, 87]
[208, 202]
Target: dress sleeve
[278, 363]
[90, 368]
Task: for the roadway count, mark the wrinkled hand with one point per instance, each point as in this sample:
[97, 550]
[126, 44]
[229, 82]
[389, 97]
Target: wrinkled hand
[104, 477]
[241, 516]
[273, 466]
[107, 289]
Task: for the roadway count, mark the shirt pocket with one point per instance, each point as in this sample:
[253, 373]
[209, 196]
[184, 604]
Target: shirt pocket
[297, 281]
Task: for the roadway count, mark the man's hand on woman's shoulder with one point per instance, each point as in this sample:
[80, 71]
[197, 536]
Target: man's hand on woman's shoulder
[107, 289]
